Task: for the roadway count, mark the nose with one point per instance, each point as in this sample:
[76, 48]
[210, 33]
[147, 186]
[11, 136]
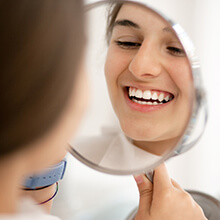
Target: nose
[147, 62]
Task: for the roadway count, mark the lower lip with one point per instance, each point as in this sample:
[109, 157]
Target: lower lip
[143, 108]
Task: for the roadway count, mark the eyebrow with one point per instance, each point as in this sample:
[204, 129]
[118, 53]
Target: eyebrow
[169, 30]
[126, 23]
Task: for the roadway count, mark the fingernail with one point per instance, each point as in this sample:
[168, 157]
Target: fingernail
[139, 179]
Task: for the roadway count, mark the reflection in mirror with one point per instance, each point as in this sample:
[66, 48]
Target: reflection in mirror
[149, 79]
[150, 85]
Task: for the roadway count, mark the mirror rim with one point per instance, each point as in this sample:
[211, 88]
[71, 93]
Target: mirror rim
[198, 103]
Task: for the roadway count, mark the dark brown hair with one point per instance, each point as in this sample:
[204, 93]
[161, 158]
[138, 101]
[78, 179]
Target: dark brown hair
[112, 13]
[40, 48]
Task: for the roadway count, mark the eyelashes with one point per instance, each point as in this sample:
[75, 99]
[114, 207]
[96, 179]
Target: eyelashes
[176, 51]
[129, 45]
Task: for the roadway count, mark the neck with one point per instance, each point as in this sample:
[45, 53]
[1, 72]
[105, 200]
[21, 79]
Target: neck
[157, 147]
[10, 174]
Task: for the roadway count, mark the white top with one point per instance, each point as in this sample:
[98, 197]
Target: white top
[29, 211]
[114, 151]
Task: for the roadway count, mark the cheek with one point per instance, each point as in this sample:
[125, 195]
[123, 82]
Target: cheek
[181, 74]
[116, 63]
[111, 70]
[78, 104]
[111, 65]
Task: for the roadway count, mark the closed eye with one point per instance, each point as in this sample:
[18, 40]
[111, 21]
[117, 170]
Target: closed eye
[176, 51]
[128, 44]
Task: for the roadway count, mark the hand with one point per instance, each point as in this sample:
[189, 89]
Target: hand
[165, 199]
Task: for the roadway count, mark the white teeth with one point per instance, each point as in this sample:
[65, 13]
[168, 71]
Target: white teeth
[134, 100]
[133, 92]
[161, 97]
[145, 103]
[154, 96]
[138, 93]
[147, 94]
[167, 98]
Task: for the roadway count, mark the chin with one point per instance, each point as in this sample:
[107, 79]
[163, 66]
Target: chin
[137, 134]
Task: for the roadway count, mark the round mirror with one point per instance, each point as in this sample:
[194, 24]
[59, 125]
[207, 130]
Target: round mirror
[144, 67]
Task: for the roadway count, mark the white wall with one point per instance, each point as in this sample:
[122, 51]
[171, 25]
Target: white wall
[199, 168]
[86, 192]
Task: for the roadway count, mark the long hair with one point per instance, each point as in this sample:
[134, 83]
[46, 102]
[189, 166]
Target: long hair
[112, 13]
[40, 48]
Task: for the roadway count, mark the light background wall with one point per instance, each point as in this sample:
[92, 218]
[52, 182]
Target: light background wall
[88, 194]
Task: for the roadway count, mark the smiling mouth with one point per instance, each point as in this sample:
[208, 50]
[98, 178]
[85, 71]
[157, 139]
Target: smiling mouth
[149, 97]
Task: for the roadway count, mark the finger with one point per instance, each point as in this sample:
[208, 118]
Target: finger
[176, 185]
[145, 189]
[161, 178]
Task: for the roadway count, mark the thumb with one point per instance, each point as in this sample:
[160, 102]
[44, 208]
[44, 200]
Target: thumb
[145, 188]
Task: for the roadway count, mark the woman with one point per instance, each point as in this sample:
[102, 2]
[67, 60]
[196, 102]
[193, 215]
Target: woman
[150, 83]
[41, 106]
[41, 74]
[151, 89]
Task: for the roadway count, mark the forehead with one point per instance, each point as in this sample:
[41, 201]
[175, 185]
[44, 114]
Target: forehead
[143, 17]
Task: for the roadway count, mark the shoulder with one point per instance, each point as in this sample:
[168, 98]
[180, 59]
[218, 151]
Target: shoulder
[28, 216]
[27, 210]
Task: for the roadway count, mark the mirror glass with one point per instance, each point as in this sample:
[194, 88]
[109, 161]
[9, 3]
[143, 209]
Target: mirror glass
[144, 97]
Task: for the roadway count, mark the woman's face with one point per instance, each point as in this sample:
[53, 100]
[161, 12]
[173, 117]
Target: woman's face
[148, 76]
